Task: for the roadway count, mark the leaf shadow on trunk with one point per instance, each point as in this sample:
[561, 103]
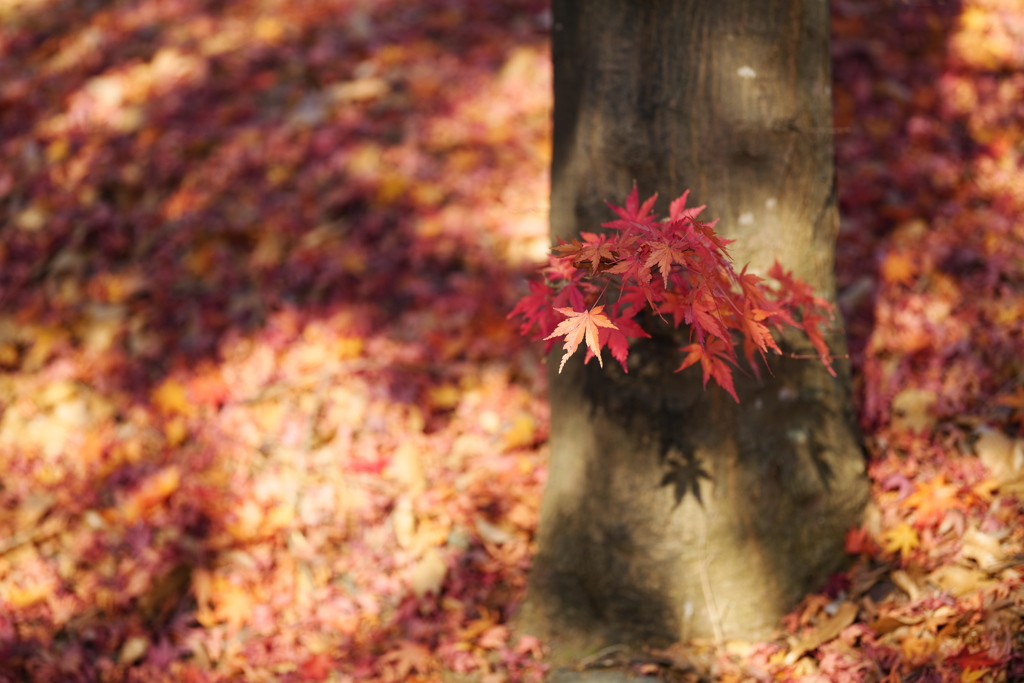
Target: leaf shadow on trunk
[677, 489]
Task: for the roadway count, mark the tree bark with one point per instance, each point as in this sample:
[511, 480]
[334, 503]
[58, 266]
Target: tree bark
[671, 512]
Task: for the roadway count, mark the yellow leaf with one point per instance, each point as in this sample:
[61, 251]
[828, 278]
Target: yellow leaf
[8, 354]
[406, 468]
[269, 29]
[349, 347]
[902, 539]
[202, 588]
[171, 398]
[403, 520]
[23, 597]
[232, 604]
[44, 341]
[972, 675]
[277, 518]
[247, 522]
[521, 434]
[918, 649]
[175, 431]
[134, 649]
[429, 573]
[445, 396]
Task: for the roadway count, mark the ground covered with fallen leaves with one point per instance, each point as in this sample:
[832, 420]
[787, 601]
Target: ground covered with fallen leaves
[262, 416]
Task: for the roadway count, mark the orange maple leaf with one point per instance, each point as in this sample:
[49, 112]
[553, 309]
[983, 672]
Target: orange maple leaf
[233, 604]
[933, 499]
[595, 250]
[578, 325]
[664, 254]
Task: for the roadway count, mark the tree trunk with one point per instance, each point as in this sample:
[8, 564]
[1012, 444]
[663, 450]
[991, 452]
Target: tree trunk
[671, 512]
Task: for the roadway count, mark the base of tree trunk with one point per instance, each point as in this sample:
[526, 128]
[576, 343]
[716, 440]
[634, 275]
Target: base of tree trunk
[672, 513]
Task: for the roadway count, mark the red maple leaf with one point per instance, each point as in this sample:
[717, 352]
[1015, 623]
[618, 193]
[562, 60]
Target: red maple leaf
[633, 212]
[316, 668]
[617, 338]
[677, 210]
[578, 325]
[812, 328]
[701, 311]
[533, 307]
[757, 335]
[966, 659]
[752, 288]
[712, 356]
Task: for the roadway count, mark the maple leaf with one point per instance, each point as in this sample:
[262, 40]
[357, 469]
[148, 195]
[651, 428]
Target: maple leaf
[712, 356]
[752, 288]
[171, 397]
[858, 542]
[664, 254]
[678, 212]
[317, 668]
[967, 660]
[932, 500]
[633, 212]
[707, 232]
[756, 335]
[533, 307]
[531, 645]
[561, 268]
[700, 311]
[902, 539]
[812, 328]
[578, 325]
[595, 250]
[406, 658]
[633, 269]
[494, 638]
[617, 338]
[233, 605]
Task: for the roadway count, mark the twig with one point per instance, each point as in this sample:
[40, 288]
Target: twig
[705, 582]
[602, 658]
[812, 356]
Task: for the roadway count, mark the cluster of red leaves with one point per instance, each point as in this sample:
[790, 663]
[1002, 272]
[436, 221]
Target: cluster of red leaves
[695, 284]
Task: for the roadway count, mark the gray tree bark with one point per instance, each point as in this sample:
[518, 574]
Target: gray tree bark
[671, 512]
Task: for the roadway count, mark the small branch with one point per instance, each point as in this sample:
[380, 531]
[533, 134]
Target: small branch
[705, 582]
[811, 356]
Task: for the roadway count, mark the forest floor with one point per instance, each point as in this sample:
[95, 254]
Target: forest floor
[262, 416]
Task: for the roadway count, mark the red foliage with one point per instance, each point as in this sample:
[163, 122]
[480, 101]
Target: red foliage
[697, 285]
